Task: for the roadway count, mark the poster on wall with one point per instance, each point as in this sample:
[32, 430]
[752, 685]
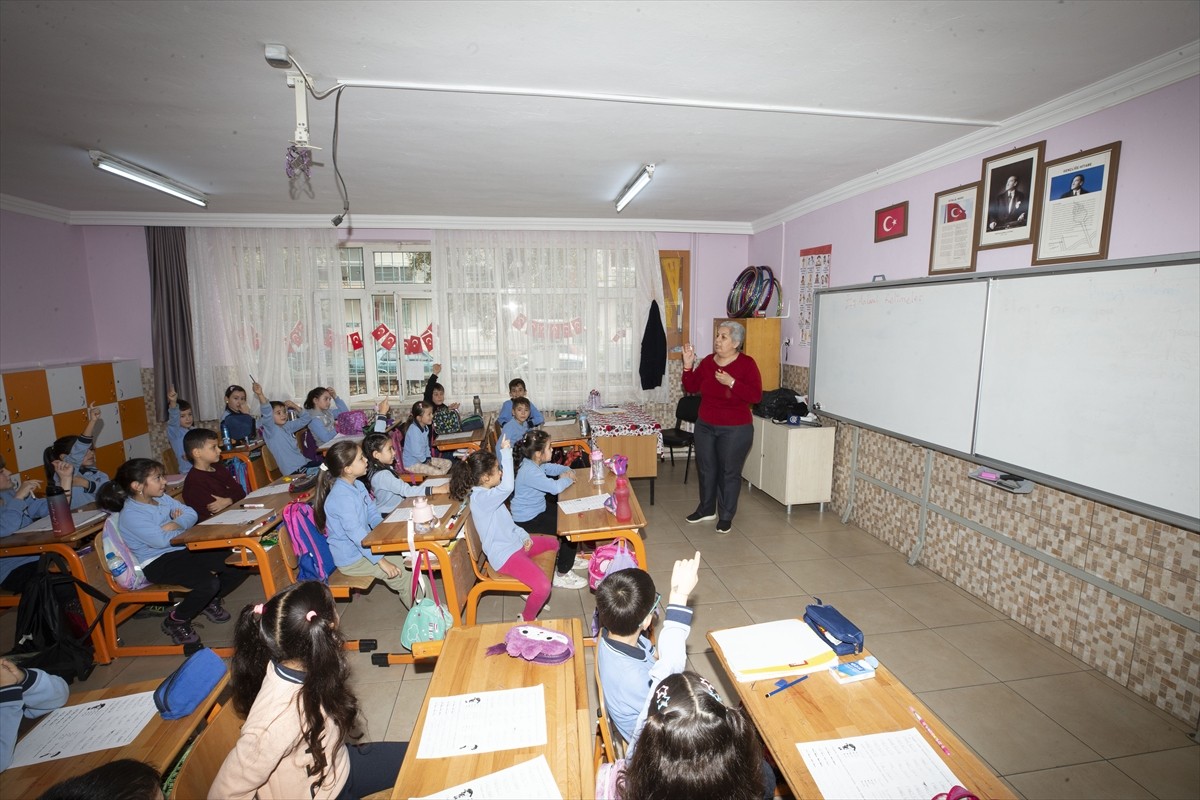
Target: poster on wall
[1076, 211]
[1012, 184]
[814, 274]
[955, 234]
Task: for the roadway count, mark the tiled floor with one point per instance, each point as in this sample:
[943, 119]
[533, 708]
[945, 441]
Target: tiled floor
[1045, 722]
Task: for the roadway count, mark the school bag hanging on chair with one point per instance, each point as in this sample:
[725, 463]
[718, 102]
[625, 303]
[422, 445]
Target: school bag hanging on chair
[312, 548]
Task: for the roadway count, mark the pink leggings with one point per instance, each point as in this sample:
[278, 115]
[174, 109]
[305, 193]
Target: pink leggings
[520, 566]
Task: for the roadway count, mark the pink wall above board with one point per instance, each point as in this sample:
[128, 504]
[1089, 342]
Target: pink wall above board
[1155, 211]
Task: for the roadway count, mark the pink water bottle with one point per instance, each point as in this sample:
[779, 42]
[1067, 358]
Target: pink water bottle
[621, 492]
[61, 520]
[597, 465]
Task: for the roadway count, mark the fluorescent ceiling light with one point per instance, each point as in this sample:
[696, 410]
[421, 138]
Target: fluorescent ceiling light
[146, 177]
[634, 186]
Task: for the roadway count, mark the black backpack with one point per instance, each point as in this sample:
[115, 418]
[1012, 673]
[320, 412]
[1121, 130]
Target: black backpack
[45, 639]
[779, 404]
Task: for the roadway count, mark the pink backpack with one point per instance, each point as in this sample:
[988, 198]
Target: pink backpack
[608, 558]
[350, 423]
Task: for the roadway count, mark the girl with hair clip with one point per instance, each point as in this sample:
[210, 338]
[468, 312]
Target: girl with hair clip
[322, 406]
[537, 477]
[509, 549]
[418, 443]
[381, 480]
[692, 746]
[80, 452]
[346, 514]
[150, 519]
[235, 419]
[291, 681]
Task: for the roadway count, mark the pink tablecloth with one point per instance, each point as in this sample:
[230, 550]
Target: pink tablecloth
[625, 421]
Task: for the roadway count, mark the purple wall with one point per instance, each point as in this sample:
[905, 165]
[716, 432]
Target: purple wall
[1155, 210]
[120, 276]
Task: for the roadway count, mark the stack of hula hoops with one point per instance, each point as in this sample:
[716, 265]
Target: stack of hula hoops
[752, 293]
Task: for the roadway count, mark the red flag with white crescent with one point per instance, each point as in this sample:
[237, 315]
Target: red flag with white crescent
[955, 212]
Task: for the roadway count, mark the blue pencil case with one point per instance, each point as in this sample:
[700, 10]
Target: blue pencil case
[838, 632]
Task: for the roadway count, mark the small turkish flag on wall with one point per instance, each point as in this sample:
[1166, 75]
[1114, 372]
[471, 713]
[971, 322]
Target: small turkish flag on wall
[380, 332]
[356, 342]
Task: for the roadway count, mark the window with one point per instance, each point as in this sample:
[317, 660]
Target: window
[388, 284]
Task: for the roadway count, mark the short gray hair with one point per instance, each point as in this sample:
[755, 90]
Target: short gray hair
[736, 332]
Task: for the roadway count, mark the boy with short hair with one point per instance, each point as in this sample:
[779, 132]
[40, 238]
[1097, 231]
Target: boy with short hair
[516, 428]
[179, 422]
[626, 602]
[208, 489]
[516, 388]
[279, 432]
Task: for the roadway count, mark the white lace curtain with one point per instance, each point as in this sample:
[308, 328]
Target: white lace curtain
[565, 311]
[266, 305]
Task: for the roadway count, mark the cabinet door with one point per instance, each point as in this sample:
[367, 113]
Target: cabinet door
[775, 460]
[810, 468]
[66, 389]
[127, 375]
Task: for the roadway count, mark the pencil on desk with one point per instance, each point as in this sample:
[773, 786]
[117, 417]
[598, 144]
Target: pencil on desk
[929, 730]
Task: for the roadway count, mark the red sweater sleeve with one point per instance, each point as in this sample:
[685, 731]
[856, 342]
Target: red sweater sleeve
[720, 405]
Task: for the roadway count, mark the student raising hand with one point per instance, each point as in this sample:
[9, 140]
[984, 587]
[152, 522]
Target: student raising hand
[684, 577]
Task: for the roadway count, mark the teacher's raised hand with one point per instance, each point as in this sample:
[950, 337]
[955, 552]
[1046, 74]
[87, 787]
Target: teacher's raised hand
[689, 356]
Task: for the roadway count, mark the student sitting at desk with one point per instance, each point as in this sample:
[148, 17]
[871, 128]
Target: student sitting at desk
[150, 519]
[626, 602]
[516, 388]
[445, 417]
[515, 429]
[179, 422]
[534, 507]
[80, 452]
[236, 421]
[322, 406]
[25, 694]
[18, 508]
[692, 746]
[291, 681]
[209, 488]
[418, 434]
[387, 489]
[279, 432]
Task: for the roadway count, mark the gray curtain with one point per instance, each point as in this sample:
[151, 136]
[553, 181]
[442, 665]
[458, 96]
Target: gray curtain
[170, 317]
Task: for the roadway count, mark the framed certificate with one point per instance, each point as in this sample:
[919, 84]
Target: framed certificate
[1076, 210]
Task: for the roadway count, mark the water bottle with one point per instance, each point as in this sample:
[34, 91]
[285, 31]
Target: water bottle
[584, 428]
[422, 515]
[116, 564]
[478, 407]
[621, 493]
[225, 443]
[61, 520]
[597, 474]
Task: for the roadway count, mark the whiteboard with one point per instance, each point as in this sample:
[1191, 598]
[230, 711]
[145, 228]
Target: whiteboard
[902, 358]
[1094, 378]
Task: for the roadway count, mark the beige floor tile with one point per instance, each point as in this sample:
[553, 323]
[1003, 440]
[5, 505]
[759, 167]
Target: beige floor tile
[1007, 731]
[703, 535]
[712, 618]
[889, 569]
[872, 612]
[666, 554]
[823, 575]
[938, 604]
[1167, 774]
[829, 522]
[732, 553]
[1106, 719]
[709, 589]
[377, 701]
[791, 546]
[845, 542]
[1099, 780]
[404, 709]
[1007, 650]
[756, 581]
[926, 662]
[775, 608]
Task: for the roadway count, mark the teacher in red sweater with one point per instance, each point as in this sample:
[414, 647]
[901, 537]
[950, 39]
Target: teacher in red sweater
[729, 383]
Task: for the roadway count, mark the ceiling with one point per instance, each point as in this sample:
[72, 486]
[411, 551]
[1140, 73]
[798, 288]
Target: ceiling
[183, 88]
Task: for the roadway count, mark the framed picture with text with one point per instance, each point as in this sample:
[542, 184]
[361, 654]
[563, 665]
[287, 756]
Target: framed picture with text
[891, 222]
[1076, 210]
[955, 230]
[1012, 187]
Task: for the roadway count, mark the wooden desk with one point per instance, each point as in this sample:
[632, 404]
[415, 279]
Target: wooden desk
[463, 667]
[270, 563]
[35, 543]
[821, 708]
[159, 743]
[464, 440]
[251, 456]
[597, 525]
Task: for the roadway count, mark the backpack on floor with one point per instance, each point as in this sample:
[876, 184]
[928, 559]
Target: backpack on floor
[609, 558]
[312, 548]
[46, 637]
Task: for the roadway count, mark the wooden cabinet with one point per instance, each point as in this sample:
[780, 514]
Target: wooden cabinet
[762, 344]
[792, 464]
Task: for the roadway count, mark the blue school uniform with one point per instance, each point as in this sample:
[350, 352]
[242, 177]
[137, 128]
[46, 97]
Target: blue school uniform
[390, 491]
[416, 446]
[499, 535]
[141, 527]
[175, 434]
[535, 416]
[350, 515]
[534, 482]
[321, 423]
[82, 495]
[281, 440]
[16, 514]
[514, 431]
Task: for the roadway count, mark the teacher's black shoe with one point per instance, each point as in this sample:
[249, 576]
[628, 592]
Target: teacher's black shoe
[724, 526]
[697, 516]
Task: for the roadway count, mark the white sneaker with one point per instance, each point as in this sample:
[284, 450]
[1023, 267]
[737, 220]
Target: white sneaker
[569, 581]
[581, 562]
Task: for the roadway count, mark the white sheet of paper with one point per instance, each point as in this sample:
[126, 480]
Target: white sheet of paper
[529, 780]
[403, 514]
[581, 504]
[433, 483]
[272, 489]
[880, 766]
[239, 516]
[773, 650]
[75, 730]
[455, 437]
[484, 722]
[81, 518]
[558, 423]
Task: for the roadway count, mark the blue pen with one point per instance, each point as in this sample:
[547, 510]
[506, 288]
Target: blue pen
[782, 684]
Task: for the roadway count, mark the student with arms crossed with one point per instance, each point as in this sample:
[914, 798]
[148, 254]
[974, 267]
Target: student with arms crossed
[209, 488]
[25, 694]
